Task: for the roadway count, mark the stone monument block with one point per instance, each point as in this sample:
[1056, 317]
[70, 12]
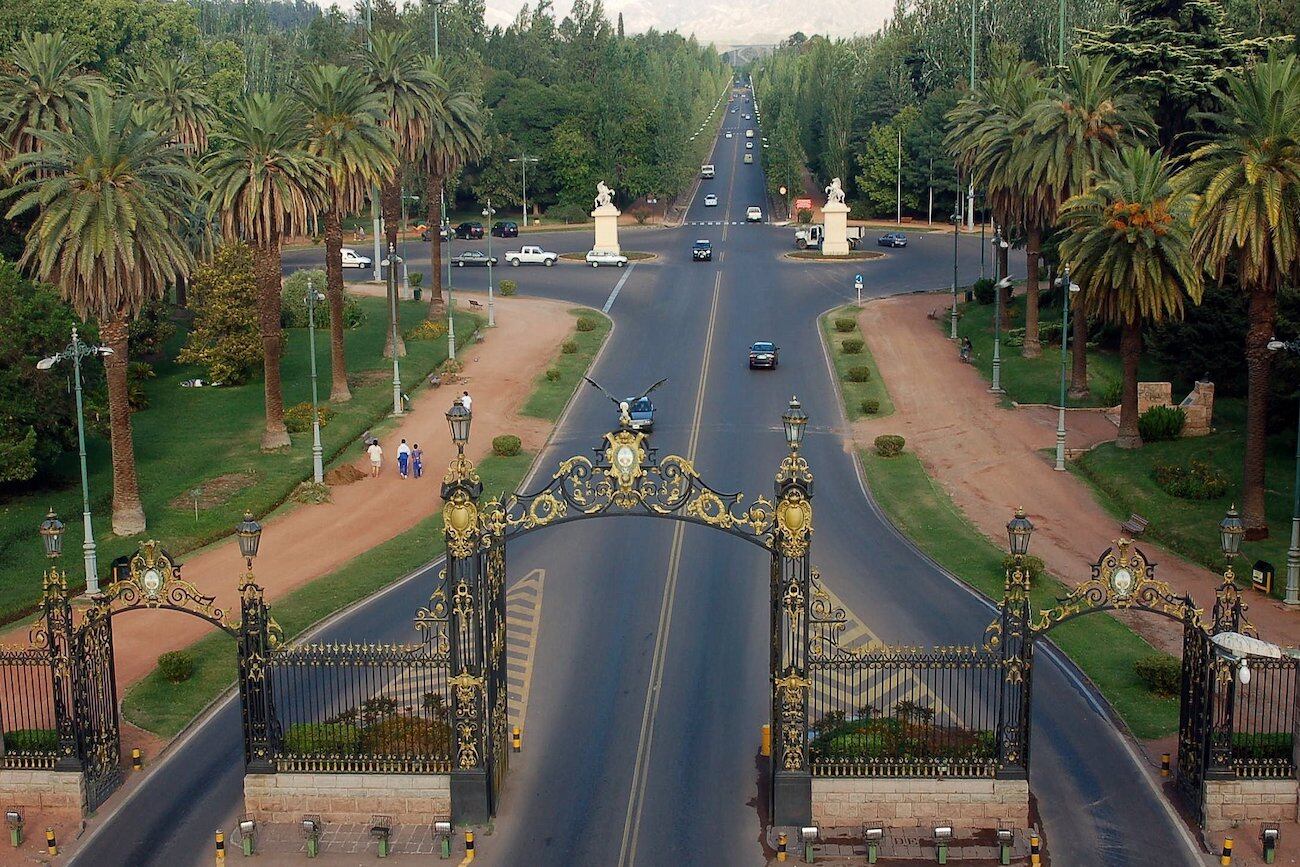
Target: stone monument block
[606, 217]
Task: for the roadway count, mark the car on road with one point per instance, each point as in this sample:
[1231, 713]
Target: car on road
[749, 145]
[710, 201]
[531, 255]
[473, 257]
[469, 231]
[505, 229]
[702, 251]
[728, 133]
[749, 158]
[764, 353]
[353, 259]
[596, 258]
[753, 214]
[642, 413]
[444, 233]
[892, 239]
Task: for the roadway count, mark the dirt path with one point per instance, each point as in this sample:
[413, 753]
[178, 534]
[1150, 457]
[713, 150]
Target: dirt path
[990, 460]
[304, 543]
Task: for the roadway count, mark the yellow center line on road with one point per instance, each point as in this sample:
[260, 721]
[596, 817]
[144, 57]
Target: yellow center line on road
[640, 773]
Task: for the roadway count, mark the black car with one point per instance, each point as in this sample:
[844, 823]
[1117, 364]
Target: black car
[470, 231]
[642, 413]
[702, 251]
[892, 239]
[444, 233]
[472, 257]
[505, 229]
[763, 354]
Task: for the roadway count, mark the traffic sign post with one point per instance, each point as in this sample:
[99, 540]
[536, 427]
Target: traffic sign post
[857, 284]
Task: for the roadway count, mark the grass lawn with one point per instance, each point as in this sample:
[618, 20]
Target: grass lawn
[189, 438]
[550, 395]
[1102, 646]
[854, 392]
[1124, 484]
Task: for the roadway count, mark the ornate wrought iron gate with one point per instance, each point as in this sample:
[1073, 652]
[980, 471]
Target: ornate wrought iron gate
[1193, 717]
[94, 699]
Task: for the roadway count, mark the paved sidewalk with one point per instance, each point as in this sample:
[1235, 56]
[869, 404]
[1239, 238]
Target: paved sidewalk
[990, 460]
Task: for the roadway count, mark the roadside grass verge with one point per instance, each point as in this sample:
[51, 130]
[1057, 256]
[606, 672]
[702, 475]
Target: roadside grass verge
[550, 395]
[855, 393]
[208, 440]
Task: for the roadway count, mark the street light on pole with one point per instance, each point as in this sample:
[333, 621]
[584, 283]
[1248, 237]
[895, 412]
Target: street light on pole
[1292, 553]
[392, 300]
[451, 315]
[1067, 289]
[999, 287]
[437, 4]
[374, 188]
[956, 225]
[487, 213]
[317, 453]
[77, 350]
[524, 160]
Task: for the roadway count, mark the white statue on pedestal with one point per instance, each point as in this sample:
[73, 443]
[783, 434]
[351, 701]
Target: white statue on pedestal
[604, 195]
[835, 192]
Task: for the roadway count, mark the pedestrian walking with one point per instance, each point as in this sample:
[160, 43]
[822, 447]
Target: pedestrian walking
[466, 400]
[417, 460]
[403, 458]
[376, 453]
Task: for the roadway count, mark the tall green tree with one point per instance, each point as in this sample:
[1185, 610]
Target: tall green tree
[106, 191]
[265, 184]
[1247, 228]
[1128, 245]
[41, 83]
[166, 91]
[346, 131]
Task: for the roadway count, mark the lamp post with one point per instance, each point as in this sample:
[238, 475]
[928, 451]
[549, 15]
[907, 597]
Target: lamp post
[1292, 553]
[1067, 289]
[77, 350]
[487, 213]
[406, 277]
[795, 422]
[392, 296]
[524, 160]
[437, 4]
[458, 420]
[1000, 285]
[1019, 529]
[956, 225]
[374, 188]
[317, 453]
[1231, 530]
[249, 534]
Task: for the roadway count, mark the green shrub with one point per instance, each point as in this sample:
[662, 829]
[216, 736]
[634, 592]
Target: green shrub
[508, 288]
[32, 741]
[297, 418]
[506, 445]
[851, 346]
[870, 406]
[1161, 423]
[1162, 673]
[226, 339]
[293, 302]
[415, 278]
[845, 324]
[403, 734]
[330, 739]
[859, 374]
[1198, 480]
[569, 213]
[585, 324]
[137, 374]
[804, 216]
[176, 666]
[1110, 393]
[427, 330]
[552, 374]
[569, 347]
[1029, 564]
[889, 445]
[984, 292]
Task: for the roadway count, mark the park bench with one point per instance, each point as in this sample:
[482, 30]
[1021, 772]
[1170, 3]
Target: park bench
[1135, 526]
[476, 305]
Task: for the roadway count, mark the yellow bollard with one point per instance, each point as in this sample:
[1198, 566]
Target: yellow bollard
[767, 740]
[781, 841]
[1226, 858]
[1035, 850]
[51, 845]
[516, 738]
[1164, 764]
[221, 847]
[137, 760]
[469, 846]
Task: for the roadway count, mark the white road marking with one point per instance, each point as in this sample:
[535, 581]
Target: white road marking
[609, 302]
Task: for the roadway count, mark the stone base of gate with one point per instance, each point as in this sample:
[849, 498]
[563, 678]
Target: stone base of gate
[899, 801]
[1236, 803]
[58, 795]
[344, 798]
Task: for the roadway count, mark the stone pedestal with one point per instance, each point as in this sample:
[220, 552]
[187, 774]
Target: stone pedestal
[606, 217]
[836, 241]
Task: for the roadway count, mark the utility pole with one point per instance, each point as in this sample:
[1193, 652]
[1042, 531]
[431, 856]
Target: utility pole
[317, 453]
[392, 300]
[524, 160]
[374, 189]
[970, 193]
[487, 213]
[899, 217]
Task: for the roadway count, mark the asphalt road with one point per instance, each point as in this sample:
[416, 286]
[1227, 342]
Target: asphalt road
[650, 673]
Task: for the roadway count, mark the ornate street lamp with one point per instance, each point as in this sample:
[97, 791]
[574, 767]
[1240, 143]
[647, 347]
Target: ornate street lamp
[249, 533]
[1231, 529]
[1019, 529]
[52, 535]
[795, 421]
[488, 213]
[1067, 289]
[317, 452]
[458, 420]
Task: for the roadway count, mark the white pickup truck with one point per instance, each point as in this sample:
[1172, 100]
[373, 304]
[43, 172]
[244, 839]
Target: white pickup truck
[531, 256]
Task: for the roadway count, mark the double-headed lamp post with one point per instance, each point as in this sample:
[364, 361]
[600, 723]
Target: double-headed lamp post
[524, 160]
[1000, 285]
[77, 350]
[1292, 553]
[487, 213]
[392, 300]
[317, 453]
[1067, 289]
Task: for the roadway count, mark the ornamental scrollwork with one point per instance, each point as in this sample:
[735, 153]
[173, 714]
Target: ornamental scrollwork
[468, 687]
[460, 518]
[794, 523]
[826, 623]
[791, 691]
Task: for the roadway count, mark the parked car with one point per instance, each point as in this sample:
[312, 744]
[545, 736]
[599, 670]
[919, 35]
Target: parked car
[764, 353]
[470, 231]
[749, 158]
[597, 258]
[753, 214]
[444, 233]
[505, 229]
[642, 413]
[531, 255]
[710, 201]
[353, 259]
[892, 239]
[473, 257]
[728, 133]
[702, 251]
[749, 145]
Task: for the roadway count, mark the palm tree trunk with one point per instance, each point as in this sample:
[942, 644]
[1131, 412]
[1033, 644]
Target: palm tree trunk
[1130, 350]
[266, 272]
[433, 195]
[1032, 347]
[1261, 315]
[390, 204]
[339, 391]
[1079, 334]
[128, 513]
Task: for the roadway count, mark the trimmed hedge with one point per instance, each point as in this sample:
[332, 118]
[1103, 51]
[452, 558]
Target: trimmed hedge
[889, 445]
[585, 323]
[870, 406]
[32, 741]
[569, 347]
[334, 739]
[861, 373]
[1161, 423]
[506, 445]
[176, 666]
[845, 324]
[851, 346]
[1162, 673]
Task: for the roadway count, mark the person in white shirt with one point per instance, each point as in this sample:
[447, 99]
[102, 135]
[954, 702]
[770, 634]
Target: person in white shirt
[403, 458]
[376, 457]
[466, 401]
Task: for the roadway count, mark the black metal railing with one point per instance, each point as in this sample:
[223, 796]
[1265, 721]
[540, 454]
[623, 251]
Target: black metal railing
[1262, 718]
[27, 721]
[360, 709]
[894, 713]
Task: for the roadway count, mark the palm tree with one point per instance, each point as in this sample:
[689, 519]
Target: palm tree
[456, 137]
[1070, 131]
[345, 129]
[395, 69]
[41, 84]
[1129, 248]
[266, 183]
[1246, 225]
[166, 92]
[106, 191]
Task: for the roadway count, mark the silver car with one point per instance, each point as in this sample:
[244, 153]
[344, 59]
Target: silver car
[596, 258]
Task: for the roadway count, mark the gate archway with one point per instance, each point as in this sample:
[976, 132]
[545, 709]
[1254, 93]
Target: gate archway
[624, 477]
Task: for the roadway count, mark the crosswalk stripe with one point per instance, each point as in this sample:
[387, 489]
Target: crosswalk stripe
[523, 617]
